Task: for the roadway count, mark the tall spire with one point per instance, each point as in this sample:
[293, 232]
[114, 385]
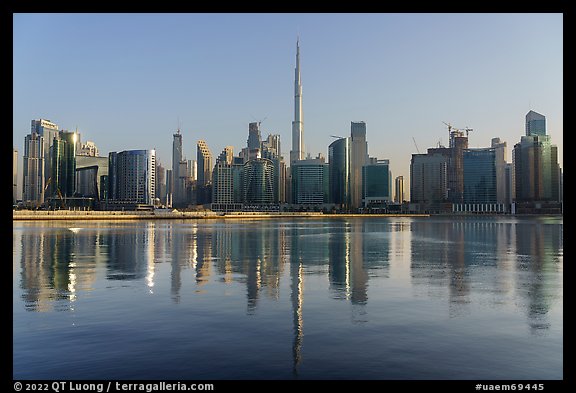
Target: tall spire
[297, 152]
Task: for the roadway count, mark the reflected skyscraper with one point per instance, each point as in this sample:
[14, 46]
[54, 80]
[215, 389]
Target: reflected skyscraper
[297, 300]
[538, 249]
[339, 264]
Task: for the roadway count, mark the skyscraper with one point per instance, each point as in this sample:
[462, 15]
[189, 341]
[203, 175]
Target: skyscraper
[339, 172]
[254, 138]
[358, 158]
[297, 152]
[535, 124]
[132, 176]
[48, 131]
[376, 183]
[429, 180]
[271, 151]
[88, 149]
[500, 152]
[33, 171]
[271, 145]
[225, 193]
[259, 182]
[91, 176]
[399, 192]
[14, 175]
[63, 156]
[535, 161]
[310, 182]
[160, 186]
[204, 162]
[177, 180]
[480, 175]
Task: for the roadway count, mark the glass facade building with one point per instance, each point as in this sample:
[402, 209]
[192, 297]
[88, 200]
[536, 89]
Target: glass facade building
[480, 175]
[310, 182]
[535, 160]
[358, 158]
[98, 170]
[48, 130]
[399, 190]
[536, 169]
[535, 124]
[258, 182]
[132, 176]
[429, 180]
[33, 170]
[63, 156]
[376, 183]
[339, 172]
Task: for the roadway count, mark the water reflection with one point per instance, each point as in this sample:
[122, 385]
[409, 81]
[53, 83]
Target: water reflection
[507, 265]
[52, 269]
[538, 248]
[502, 261]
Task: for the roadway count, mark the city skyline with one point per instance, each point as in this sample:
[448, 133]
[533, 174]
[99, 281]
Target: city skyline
[479, 72]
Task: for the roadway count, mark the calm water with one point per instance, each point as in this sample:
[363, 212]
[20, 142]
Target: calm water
[366, 298]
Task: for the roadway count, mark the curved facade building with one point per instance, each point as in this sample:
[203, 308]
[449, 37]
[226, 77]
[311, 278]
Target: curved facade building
[259, 182]
[339, 171]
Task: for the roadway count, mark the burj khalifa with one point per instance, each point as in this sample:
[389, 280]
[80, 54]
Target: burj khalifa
[297, 152]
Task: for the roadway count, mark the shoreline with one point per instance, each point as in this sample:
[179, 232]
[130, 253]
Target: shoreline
[90, 215]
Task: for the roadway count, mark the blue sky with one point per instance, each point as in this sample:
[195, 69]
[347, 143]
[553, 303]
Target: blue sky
[126, 80]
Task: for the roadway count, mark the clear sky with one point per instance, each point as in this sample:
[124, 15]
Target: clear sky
[126, 81]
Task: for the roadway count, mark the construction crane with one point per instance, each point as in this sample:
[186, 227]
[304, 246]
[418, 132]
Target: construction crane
[453, 131]
[418, 150]
[259, 121]
[337, 137]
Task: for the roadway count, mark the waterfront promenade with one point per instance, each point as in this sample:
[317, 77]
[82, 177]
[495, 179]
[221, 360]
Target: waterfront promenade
[23, 215]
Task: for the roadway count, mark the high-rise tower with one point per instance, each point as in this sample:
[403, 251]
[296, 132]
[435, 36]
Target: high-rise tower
[297, 152]
[177, 185]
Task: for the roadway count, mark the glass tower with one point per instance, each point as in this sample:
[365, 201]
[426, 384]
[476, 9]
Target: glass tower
[358, 158]
[535, 160]
[339, 172]
[132, 176]
[535, 124]
[429, 180]
[259, 182]
[376, 183]
[480, 175]
[33, 170]
[310, 182]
